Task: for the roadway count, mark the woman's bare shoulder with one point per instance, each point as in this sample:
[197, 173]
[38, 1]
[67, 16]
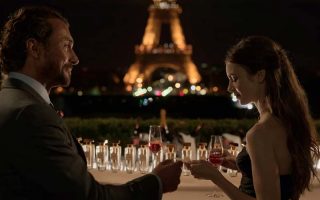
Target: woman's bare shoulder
[266, 131]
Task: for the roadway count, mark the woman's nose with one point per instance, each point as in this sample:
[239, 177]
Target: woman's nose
[230, 88]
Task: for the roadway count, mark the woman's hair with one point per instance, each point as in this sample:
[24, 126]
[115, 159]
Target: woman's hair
[287, 101]
[25, 23]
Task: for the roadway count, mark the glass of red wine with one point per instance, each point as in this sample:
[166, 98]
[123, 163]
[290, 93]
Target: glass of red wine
[215, 156]
[155, 143]
[216, 150]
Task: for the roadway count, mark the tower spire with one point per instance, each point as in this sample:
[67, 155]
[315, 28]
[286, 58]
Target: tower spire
[151, 54]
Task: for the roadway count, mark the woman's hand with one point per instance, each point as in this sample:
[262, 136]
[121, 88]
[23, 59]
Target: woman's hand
[229, 160]
[204, 170]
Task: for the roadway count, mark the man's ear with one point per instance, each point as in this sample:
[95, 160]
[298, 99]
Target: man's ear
[33, 47]
[261, 75]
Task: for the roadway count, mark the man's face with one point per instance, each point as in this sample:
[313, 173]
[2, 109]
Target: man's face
[58, 55]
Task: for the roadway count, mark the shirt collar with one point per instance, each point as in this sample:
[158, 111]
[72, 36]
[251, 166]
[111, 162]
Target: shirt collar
[34, 84]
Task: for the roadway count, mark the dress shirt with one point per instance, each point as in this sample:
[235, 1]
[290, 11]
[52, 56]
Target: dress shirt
[34, 84]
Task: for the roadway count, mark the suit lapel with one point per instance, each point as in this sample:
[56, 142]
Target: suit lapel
[17, 84]
[79, 148]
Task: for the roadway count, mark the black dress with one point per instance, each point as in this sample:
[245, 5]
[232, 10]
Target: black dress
[246, 185]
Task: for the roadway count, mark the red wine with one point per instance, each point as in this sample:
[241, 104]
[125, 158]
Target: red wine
[155, 147]
[216, 158]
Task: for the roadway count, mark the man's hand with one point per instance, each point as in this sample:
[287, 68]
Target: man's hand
[169, 172]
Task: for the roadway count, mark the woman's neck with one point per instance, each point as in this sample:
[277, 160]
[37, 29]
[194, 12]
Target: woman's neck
[263, 108]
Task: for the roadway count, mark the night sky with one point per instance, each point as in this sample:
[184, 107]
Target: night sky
[106, 31]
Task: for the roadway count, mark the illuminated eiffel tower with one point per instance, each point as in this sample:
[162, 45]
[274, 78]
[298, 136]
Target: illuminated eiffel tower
[152, 54]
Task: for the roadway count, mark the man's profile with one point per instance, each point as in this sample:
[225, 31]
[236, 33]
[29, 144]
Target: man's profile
[40, 158]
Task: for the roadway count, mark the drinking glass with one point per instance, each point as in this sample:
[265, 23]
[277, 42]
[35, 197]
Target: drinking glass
[88, 149]
[170, 152]
[143, 158]
[102, 154]
[115, 157]
[233, 152]
[186, 157]
[216, 150]
[130, 158]
[202, 152]
[216, 157]
[155, 143]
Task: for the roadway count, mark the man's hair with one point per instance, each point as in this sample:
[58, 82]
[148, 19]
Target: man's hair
[25, 23]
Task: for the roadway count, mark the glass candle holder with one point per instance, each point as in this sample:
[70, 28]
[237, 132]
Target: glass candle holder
[115, 157]
[143, 158]
[186, 155]
[233, 152]
[102, 155]
[170, 153]
[130, 158]
[88, 149]
[202, 152]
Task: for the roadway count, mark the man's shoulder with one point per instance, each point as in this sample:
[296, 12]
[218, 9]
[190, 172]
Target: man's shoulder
[16, 97]
[37, 112]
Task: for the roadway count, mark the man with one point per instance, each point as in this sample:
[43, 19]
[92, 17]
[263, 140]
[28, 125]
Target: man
[40, 158]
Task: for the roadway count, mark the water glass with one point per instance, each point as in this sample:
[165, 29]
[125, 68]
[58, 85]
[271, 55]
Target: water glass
[143, 158]
[202, 152]
[170, 153]
[130, 158]
[115, 157]
[233, 152]
[186, 154]
[88, 149]
[102, 155]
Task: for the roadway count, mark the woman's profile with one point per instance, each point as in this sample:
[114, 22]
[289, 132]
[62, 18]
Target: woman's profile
[281, 150]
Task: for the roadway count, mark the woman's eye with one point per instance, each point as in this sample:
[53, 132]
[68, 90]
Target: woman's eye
[233, 78]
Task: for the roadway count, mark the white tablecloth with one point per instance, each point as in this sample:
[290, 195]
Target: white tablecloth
[190, 188]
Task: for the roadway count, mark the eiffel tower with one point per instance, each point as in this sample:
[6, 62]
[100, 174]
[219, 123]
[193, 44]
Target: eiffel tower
[152, 54]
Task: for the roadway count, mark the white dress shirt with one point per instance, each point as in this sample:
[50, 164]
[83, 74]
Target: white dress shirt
[34, 84]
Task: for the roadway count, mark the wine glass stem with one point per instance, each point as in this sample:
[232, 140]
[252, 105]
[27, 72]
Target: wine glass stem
[156, 159]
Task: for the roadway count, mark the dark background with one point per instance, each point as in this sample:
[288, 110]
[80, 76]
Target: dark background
[106, 31]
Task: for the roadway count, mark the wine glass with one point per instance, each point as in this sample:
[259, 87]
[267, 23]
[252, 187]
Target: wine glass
[215, 156]
[155, 143]
[216, 150]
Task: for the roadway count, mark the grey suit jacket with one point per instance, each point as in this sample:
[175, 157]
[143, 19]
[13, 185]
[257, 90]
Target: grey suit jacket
[41, 159]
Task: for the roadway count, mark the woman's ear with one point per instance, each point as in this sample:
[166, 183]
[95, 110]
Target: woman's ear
[33, 47]
[261, 74]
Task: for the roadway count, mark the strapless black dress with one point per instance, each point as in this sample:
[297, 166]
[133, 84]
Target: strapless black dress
[246, 185]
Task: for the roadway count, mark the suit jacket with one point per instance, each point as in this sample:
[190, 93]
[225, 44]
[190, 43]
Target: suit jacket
[41, 159]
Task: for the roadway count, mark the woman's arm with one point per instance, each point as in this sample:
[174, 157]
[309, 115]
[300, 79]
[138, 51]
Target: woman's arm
[205, 170]
[266, 176]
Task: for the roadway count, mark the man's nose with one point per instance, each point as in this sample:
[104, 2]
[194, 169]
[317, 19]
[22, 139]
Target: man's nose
[74, 58]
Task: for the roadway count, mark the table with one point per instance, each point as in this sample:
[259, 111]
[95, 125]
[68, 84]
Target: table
[190, 188]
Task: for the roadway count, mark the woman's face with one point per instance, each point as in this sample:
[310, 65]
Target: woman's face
[246, 87]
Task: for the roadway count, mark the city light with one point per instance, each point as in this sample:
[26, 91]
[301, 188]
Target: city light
[177, 85]
[166, 91]
[140, 91]
[237, 103]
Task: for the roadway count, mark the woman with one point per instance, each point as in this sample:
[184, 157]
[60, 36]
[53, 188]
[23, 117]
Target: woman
[281, 148]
